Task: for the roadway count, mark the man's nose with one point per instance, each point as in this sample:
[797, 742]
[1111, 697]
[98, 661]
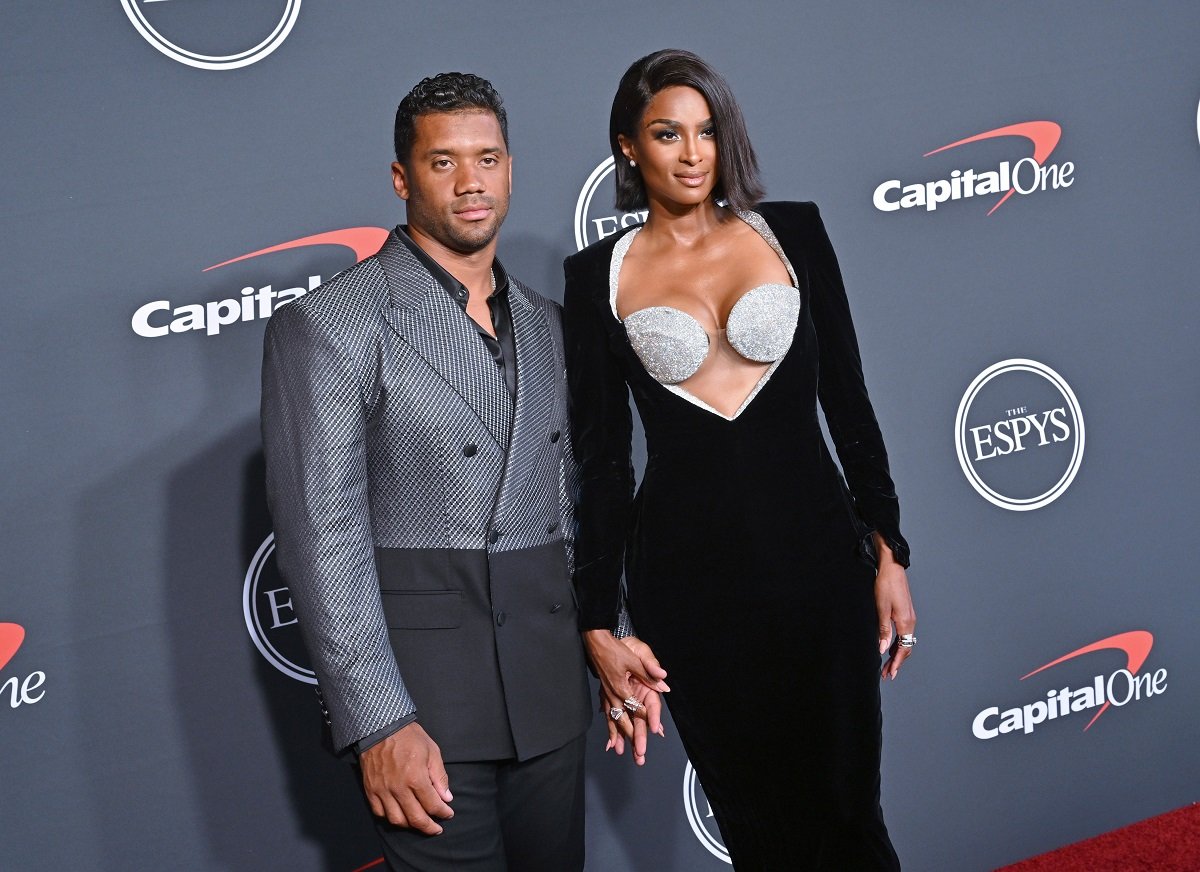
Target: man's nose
[469, 181]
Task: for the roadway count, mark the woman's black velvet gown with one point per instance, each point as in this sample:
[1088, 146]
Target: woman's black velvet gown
[748, 563]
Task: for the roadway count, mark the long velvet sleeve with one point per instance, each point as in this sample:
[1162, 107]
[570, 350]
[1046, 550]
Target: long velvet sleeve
[843, 392]
[602, 430]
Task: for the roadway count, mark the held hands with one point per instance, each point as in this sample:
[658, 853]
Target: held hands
[894, 604]
[405, 780]
[628, 670]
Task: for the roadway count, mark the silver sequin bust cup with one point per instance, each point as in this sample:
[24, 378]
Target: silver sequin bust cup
[672, 345]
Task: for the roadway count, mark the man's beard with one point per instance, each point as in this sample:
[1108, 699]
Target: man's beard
[458, 236]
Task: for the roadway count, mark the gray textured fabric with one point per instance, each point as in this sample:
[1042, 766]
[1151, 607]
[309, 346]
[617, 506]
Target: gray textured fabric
[387, 424]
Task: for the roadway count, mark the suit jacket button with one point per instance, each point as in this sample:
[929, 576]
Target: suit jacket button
[552, 526]
[469, 449]
[494, 536]
[554, 436]
[500, 619]
[554, 608]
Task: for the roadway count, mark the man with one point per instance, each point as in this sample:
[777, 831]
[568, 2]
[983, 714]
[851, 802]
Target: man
[418, 460]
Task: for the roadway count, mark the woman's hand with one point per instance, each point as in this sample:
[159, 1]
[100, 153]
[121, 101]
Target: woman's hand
[628, 670]
[894, 604]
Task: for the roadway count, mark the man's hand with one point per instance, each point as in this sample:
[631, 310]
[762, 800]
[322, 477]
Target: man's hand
[627, 669]
[405, 780]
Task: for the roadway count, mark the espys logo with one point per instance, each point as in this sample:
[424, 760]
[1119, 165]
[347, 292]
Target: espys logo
[161, 317]
[1118, 689]
[1027, 176]
[19, 691]
[227, 27]
[1019, 435]
[700, 815]
[270, 618]
[591, 226]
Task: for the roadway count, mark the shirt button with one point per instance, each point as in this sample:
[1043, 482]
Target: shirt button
[554, 436]
[494, 536]
[554, 608]
[500, 619]
[469, 449]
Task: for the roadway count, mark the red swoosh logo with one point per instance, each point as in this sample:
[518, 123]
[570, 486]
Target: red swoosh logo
[11, 637]
[1043, 134]
[1136, 644]
[363, 241]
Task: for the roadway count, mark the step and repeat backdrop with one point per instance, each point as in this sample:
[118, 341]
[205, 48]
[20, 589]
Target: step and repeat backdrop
[1014, 193]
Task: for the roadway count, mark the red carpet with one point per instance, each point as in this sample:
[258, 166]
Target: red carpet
[1167, 843]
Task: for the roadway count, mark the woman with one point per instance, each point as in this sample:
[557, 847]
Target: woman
[766, 587]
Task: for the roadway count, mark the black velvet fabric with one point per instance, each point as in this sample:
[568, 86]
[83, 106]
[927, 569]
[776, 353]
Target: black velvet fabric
[748, 563]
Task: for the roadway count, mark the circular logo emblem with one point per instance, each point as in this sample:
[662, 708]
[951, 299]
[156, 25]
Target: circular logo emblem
[700, 815]
[1019, 435]
[270, 619]
[206, 27]
[605, 221]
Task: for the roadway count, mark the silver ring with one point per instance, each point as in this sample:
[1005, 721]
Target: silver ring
[633, 705]
[615, 713]
[906, 640]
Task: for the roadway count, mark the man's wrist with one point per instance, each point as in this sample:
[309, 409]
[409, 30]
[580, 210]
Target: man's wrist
[379, 735]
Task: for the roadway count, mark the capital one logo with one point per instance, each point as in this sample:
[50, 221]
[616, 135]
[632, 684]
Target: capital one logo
[163, 318]
[1019, 435]
[1024, 176]
[1101, 692]
[594, 222]
[270, 619]
[222, 35]
[17, 690]
[700, 815]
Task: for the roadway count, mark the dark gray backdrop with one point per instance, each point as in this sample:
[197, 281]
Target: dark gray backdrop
[141, 727]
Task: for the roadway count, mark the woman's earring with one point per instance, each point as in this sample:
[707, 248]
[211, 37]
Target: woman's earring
[632, 162]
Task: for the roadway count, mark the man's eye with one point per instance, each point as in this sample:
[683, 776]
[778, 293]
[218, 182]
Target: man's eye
[441, 164]
[489, 161]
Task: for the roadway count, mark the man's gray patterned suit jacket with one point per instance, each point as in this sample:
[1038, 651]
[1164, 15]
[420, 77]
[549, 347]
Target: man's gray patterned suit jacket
[423, 524]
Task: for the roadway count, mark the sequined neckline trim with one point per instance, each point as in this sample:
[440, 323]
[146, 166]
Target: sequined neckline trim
[757, 223]
[614, 266]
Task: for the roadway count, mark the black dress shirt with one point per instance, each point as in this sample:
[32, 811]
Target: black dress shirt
[501, 345]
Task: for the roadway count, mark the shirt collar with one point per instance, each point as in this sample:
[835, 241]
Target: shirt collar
[452, 285]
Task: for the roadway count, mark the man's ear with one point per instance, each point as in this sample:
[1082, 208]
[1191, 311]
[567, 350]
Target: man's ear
[400, 180]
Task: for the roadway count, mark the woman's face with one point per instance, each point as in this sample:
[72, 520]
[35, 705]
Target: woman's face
[675, 147]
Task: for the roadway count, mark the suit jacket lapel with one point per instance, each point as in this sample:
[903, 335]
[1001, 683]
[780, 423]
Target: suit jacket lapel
[434, 326]
[536, 386]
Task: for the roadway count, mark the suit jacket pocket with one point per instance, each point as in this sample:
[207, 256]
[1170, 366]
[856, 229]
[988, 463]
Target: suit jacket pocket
[423, 609]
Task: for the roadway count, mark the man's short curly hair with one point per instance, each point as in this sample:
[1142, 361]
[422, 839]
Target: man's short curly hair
[445, 92]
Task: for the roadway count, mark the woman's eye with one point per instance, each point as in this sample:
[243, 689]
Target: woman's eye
[667, 135]
[709, 131]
